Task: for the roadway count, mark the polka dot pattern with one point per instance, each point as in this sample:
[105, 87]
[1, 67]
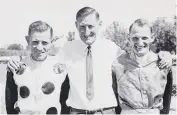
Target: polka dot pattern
[52, 110]
[17, 109]
[48, 88]
[24, 91]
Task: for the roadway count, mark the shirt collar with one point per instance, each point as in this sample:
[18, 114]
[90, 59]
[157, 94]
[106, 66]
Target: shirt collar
[35, 63]
[150, 57]
[94, 45]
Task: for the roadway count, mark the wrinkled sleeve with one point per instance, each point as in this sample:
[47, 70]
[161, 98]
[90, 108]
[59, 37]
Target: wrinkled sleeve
[64, 96]
[117, 71]
[157, 87]
[10, 94]
[167, 94]
[114, 86]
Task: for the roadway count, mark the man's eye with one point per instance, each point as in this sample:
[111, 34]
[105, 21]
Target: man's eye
[82, 27]
[144, 38]
[90, 26]
[135, 39]
[44, 43]
[35, 42]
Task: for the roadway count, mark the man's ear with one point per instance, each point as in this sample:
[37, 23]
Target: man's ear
[152, 37]
[77, 25]
[128, 37]
[100, 23]
[27, 40]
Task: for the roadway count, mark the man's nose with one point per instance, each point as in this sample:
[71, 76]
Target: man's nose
[87, 31]
[140, 42]
[40, 46]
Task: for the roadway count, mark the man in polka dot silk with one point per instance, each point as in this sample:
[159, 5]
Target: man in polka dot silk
[35, 87]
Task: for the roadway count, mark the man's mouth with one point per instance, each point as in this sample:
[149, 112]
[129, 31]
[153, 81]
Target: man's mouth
[139, 47]
[39, 53]
[89, 36]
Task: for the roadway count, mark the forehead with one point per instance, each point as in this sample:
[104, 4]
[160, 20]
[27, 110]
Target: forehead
[140, 31]
[89, 19]
[41, 36]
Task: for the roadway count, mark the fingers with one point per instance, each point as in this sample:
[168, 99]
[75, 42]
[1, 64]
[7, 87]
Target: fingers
[161, 62]
[16, 63]
[13, 65]
[164, 64]
[10, 67]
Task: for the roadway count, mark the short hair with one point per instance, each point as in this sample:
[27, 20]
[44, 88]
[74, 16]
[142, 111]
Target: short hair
[39, 26]
[85, 11]
[141, 23]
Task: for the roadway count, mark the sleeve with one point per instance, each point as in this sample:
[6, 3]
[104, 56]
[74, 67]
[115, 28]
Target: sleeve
[117, 69]
[158, 87]
[64, 96]
[115, 89]
[167, 94]
[114, 84]
[10, 94]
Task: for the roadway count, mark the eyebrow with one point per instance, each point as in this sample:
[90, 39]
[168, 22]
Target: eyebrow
[83, 24]
[35, 40]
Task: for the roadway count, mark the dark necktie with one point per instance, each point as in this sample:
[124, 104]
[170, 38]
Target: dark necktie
[89, 74]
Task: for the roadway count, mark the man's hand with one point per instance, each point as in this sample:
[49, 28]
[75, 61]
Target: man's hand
[13, 65]
[165, 60]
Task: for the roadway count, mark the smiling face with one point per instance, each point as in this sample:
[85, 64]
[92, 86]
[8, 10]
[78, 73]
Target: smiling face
[141, 38]
[88, 27]
[40, 43]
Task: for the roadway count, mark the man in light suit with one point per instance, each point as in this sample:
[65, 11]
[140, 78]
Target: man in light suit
[141, 82]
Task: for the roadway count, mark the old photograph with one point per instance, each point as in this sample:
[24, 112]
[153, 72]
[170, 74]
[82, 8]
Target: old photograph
[88, 57]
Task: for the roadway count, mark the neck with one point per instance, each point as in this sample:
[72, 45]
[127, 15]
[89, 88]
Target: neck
[37, 63]
[142, 60]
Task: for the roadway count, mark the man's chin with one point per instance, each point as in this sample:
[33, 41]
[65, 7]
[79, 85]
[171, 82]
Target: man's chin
[40, 58]
[89, 42]
[140, 54]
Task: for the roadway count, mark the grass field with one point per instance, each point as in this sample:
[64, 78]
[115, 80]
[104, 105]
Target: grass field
[2, 89]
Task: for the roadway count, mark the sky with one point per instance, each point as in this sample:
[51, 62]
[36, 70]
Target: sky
[17, 15]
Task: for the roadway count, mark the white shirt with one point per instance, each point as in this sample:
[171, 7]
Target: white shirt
[103, 54]
[36, 76]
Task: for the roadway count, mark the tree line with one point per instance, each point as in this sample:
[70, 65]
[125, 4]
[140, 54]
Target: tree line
[163, 31]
